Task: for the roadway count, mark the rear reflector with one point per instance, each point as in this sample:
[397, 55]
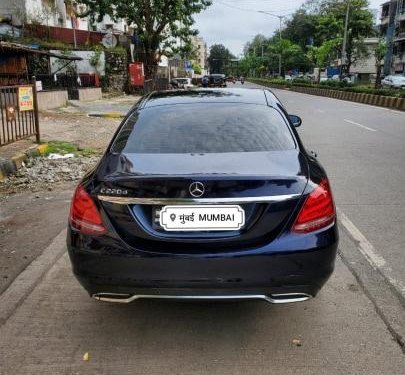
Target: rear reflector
[318, 210]
[84, 215]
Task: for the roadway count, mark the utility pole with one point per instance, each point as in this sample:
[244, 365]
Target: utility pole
[279, 56]
[344, 47]
[280, 20]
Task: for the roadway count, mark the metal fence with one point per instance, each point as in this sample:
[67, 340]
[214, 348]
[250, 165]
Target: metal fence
[17, 123]
[157, 84]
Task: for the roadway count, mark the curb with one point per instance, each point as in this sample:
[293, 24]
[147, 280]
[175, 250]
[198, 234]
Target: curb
[27, 280]
[11, 166]
[106, 114]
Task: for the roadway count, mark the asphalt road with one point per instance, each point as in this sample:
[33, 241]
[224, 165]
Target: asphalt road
[48, 323]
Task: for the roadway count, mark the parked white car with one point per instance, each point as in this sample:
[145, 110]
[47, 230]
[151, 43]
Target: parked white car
[397, 82]
[184, 83]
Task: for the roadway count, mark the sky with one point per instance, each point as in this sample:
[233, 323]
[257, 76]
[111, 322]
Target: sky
[235, 22]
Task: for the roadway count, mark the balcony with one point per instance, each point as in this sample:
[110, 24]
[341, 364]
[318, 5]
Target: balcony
[399, 59]
[400, 35]
[384, 20]
[401, 16]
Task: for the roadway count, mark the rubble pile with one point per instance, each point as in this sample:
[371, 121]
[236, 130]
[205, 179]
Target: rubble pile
[43, 173]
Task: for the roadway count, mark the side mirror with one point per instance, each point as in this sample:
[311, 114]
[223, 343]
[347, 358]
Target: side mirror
[295, 120]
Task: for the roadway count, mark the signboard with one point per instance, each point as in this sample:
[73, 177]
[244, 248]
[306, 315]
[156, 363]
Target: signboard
[109, 40]
[25, 98]
[10, 113]
[188, 65]
[39, 85]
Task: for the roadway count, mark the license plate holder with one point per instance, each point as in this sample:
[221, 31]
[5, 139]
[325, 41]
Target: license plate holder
[202, 218]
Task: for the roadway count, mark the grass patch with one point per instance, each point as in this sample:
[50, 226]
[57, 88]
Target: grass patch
[63, 148]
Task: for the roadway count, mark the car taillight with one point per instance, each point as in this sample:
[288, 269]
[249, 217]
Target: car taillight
[318, 210]
[84, 215]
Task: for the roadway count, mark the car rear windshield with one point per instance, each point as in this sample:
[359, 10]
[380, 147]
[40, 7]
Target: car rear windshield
[197, 128]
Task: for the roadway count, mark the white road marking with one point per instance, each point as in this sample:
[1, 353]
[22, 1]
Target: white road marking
[367, 249]
[362, 126]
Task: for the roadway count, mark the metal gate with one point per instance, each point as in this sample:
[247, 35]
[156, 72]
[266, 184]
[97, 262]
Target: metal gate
[19, 113]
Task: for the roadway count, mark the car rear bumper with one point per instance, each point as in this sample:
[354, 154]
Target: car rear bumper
[122, 275]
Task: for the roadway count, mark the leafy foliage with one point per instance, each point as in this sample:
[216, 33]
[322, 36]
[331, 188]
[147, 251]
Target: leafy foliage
[379, 54]
[219, 58]
[159, 24]
[313, 37]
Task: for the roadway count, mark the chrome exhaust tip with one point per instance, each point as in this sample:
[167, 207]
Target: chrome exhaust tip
[273, 298]
[288, 298]
[113, 297]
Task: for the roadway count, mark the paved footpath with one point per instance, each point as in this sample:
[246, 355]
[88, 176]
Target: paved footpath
[58, 323]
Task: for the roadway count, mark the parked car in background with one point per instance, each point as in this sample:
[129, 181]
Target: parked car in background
[9, 30]
[205, 81]
[397, 82]
[217, 80]
[184, 83]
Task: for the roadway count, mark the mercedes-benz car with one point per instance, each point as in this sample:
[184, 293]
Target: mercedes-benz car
[204, 194]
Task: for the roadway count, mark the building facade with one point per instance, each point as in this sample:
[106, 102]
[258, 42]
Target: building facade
[60, 13]
[397, 7]
[200, 47]
[365, 68]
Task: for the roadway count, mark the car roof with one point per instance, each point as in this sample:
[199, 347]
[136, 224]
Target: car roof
[234, 95]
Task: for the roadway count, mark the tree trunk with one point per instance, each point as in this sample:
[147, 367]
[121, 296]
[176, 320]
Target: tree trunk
[377, 83]
[148, 57]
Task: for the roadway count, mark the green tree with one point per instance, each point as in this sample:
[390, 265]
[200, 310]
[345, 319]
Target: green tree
[379, 53]
[360, 25]
[301, 28]
[160, 24]
[197, 69]
[219, 58]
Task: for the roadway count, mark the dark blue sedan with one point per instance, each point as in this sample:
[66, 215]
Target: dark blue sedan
[204, 194]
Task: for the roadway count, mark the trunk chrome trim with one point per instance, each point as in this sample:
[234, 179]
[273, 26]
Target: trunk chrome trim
[180, 201]
[272, 298]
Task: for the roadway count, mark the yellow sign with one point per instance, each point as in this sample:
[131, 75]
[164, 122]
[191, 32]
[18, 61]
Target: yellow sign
[25, 98]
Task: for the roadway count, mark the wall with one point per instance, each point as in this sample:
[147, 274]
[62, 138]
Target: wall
[116, 71]
[366, 65]
[88, 94]
[8, 8]
[65, 35]
[52, 99]
[82, 66]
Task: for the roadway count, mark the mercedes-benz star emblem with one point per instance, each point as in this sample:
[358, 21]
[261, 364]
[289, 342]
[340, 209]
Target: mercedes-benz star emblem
[196, 189]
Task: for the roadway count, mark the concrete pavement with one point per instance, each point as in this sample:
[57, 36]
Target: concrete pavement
[339, 331]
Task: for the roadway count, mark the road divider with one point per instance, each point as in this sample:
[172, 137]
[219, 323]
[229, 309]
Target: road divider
[376, 100]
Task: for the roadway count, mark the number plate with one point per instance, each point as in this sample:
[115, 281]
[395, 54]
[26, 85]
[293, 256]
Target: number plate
[202, 218]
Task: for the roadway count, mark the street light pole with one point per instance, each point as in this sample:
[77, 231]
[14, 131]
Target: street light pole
[279, 56]
[280, 20]
[344, 47]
